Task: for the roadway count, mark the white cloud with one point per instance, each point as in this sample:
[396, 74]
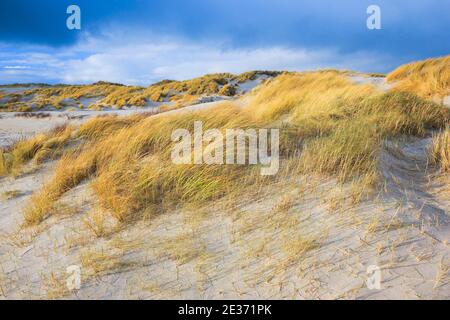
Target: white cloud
[16, 67]
[143, 59]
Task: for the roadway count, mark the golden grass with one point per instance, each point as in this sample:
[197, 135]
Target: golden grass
[428, 79]
[70, 171]
[440, 151]
[55, 286]
[55, 95]
[10, 101]
[97, 262]
[340, 124]
[299, 245]
[109, 257]
[106, 126]
[99, 223]
[119, 96]
[185, 92]
[328, 125]
[182, 248]
[38, 149]
[10, 194]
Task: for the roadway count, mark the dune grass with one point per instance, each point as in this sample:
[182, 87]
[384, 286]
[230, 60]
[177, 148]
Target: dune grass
[341, 124]
[328, 125]
[116, 95]
[184, 92]
[440, 151]
[10, 194]
[37, 149]
[429, 79]
[56, 96]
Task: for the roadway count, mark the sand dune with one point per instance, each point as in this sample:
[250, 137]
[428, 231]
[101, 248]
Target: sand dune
[306, 236]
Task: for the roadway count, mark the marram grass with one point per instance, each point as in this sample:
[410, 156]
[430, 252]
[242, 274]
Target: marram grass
[440, 151]
[429, 79]
[328, 125]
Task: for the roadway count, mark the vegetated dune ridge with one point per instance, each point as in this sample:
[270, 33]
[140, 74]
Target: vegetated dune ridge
[28, 109]
[429, 79]
[166, 94]
[363, 180]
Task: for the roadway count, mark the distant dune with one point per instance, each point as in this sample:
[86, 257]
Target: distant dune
[102, 95]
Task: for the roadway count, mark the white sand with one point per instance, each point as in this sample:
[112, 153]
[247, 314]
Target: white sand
[379, 82]
[446, 101]
[13, 128]
[249, 85]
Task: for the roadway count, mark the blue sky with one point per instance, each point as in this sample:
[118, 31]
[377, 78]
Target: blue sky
[143, 41]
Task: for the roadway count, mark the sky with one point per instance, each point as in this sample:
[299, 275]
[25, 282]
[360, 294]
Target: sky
[139, 42]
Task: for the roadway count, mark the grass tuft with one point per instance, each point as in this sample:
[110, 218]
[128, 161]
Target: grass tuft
[38, 149]
[429, 79]
[440, 151]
